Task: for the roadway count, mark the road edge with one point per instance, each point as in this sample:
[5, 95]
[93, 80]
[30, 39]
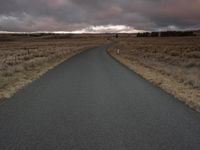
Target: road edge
[131, 66]
[11, 89]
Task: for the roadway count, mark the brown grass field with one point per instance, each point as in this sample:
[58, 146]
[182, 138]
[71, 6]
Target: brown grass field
[173, 63]
[23, 58]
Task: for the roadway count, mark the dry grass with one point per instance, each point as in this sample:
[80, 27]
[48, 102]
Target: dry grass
[171, 63]
[24, 59]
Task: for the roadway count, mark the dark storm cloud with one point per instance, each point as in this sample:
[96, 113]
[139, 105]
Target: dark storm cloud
[70, 15]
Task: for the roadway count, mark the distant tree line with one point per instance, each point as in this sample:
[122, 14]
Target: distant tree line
[166, 34]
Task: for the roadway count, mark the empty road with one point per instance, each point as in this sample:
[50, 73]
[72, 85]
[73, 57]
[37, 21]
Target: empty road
[91, 102]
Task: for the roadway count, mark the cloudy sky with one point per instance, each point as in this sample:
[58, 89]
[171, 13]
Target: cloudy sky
[98, 15]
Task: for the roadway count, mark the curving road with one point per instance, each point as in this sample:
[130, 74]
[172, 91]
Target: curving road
[91, 102]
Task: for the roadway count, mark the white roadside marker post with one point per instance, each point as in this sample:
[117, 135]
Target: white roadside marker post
[118, 51]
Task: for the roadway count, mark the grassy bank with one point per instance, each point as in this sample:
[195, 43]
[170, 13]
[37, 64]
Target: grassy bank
[24, 59]
[170, 63]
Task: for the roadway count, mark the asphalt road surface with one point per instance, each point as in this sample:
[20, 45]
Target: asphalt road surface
[91, 102]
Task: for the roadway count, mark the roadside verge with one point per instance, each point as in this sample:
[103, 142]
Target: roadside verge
[19, 79]
[185, 93]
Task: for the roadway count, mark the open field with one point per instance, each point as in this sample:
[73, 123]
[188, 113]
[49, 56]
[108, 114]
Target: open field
[24, 58]
[171, 63]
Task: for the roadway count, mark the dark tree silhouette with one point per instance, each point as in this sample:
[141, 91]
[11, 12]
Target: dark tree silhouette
[166, 34]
